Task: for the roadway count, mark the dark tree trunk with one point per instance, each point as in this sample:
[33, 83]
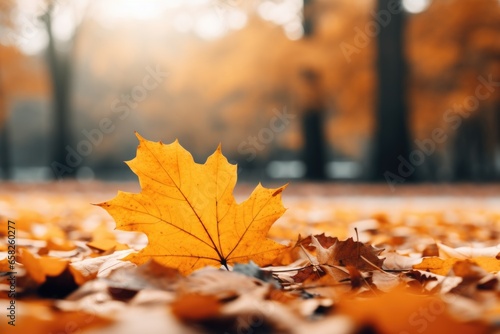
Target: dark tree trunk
[392, 135]
[314, 145]
[312, 119]
[60, 76]
[5, 161]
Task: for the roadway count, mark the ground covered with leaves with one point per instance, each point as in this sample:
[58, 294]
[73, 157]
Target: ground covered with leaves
[181, 254]
[417, 264]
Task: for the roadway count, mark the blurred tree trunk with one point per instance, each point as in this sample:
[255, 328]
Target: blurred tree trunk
[475, 145]
[392, 135]
[59, 66]
[312, 117]
[314, 147]
[469, 150]
[5, 161]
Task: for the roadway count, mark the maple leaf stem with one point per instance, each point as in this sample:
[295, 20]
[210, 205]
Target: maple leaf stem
[224, 263]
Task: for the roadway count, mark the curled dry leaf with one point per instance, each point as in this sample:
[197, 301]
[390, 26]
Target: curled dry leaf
[347, 252]
[468, 252]
[88, 269]
[189, 213]
[394, 261]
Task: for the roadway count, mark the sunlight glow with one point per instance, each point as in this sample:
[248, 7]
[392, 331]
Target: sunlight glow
[415, 6]
[236, 19]
[286, 13]
[183, 22]
[209, 25]
[133, 9]
[63, 25]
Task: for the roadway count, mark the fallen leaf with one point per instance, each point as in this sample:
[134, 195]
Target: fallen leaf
[39, 317]
[195, 307]
[104, 245]
[347, 252]
[39, 267]
[468, 252]
[88, 269]
[487, 263]
[442, 267]
[436, 265]
[394, 261]
[430, 250]
[32, 265]
[385, 281]
[222, 284]
[189, 213]
[149, 275]
[402, 312]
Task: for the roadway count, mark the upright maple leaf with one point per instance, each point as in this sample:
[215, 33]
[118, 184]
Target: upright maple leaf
[189, 213]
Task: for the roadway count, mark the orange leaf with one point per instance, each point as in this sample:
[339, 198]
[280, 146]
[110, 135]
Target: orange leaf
[442, 267]
[189, 213]
[41, 267]
[104, 245]
[195, 307]
[401, 312]
[436, 265]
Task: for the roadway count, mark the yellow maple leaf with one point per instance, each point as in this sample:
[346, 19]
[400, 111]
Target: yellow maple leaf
[189, 213]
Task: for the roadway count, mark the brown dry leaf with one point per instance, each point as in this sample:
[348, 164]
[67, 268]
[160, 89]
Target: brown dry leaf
[430, 250]
[324, 240]
[418, 280]
[189, 213]
[347, 252]
[309, 273]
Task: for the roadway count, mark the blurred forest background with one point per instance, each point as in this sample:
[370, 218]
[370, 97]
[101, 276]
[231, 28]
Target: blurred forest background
[358, 90]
